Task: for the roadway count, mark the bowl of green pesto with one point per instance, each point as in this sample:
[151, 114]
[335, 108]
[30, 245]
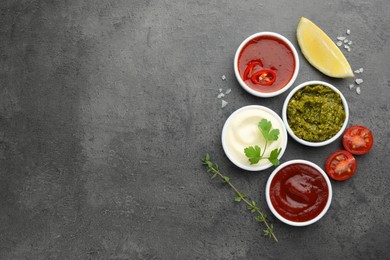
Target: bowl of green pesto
[315, 113]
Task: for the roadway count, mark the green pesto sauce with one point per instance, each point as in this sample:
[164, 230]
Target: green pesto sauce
[315, 113]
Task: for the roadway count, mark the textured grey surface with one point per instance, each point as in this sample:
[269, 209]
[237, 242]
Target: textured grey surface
[106, 108]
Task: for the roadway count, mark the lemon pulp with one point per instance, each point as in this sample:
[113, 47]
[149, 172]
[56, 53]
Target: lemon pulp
[320, 51]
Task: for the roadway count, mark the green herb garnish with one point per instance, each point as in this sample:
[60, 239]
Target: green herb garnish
[254, 153]
[252, 206]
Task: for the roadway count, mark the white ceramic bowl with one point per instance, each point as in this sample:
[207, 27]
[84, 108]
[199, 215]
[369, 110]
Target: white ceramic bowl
[236, 153]
[287, 221]
[263, 94]
[290, 131]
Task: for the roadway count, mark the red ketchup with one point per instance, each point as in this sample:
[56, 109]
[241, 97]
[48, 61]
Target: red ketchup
[266, 64]
[299, 192]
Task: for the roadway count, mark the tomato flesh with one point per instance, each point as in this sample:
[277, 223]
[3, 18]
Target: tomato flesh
[358, 140]
[341, 165]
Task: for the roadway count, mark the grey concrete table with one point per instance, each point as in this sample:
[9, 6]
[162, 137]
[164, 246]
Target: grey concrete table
[106, 108]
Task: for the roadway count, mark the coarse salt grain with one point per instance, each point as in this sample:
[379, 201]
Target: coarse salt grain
[348, 31]
[350, 42]
[221, 95]
[358, 90]
[357, 71]
[346, 40]
[220, 90]
[359, 81]
[339, 43]
[351, 86]
[223, 77]
[340, 38]
[361, 69]
[224, 103]
[228, 91]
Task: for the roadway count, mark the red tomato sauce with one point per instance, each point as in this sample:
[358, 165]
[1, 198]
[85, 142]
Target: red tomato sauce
[299, 192]
[268, 53]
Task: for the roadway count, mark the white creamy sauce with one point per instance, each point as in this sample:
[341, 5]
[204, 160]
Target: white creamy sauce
[242, 131]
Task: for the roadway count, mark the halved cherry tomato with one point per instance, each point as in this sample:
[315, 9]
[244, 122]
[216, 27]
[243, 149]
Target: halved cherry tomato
[341, 165]
[358, 140]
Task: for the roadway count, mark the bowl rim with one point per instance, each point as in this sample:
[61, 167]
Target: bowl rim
[282, 131]
[287, 86]
[290, 222]
[290, 131]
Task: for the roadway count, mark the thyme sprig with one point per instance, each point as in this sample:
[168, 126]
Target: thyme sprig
[252, 206]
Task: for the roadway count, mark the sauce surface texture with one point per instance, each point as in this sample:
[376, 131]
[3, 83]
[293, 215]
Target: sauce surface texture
[272, 54]
[242, 131]
[299, 192]
[315, 113]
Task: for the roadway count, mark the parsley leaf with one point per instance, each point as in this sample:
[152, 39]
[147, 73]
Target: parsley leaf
[253, 154]
[273, 135]
[273, 157]
[265, 128]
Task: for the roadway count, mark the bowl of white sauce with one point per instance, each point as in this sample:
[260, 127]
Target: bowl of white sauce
[241, 130]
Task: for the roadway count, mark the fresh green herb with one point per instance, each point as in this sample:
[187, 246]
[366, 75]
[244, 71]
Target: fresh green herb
[254, 153]
[252, 206]
[269, 134]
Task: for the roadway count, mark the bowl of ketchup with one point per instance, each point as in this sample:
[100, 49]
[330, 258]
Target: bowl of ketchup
[266, 64]
[298, 192]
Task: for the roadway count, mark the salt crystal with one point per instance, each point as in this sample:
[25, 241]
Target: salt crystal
[228, 91]
[350, 42]
[358, 90]
[220, 90]
[221, 95]
[359, 81]
[348, 49]
[361, 69]
[348, 31]
[223, 77]
[351, 86]
[340, 38]
[224, 103]
[357, 71]
[346, 46]
[339, 43]
[346, 40]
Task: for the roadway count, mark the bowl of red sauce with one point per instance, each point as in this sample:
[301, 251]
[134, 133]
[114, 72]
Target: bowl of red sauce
[298, 192]
[266, 64]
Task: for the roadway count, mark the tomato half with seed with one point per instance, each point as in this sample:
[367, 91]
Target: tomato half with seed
[341, 165]
[358, 140]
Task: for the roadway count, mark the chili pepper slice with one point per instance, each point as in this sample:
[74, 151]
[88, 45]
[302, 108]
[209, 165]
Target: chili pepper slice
[251, 65]
[264, 77]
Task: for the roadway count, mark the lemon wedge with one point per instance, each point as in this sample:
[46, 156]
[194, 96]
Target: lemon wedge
[321, 52]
